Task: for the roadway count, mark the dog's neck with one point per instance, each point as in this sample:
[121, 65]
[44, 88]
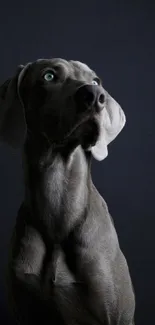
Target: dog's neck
[57, 180]
[39, 153]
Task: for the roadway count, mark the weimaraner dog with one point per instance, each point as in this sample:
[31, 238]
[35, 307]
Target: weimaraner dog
[65, 263]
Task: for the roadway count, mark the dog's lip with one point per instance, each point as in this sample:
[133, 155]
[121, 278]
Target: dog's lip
[75, 127]
[92, 113]
[85, 119]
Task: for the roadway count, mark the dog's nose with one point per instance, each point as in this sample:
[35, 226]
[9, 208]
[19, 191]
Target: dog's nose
[91, 96]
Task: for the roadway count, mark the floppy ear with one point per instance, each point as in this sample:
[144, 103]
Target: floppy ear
[12, 119]
[111, 121]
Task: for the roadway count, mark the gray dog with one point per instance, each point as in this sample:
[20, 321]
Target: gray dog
[65, 264]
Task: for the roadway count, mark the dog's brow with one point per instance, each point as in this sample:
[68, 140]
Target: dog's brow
[82, 70]
[60, 66]
[56, 64]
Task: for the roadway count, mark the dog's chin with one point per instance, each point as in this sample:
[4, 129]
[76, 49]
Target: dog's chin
[90, 133]
[84, 132]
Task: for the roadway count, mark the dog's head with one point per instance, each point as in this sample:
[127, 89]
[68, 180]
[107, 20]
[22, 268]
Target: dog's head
[56, 99]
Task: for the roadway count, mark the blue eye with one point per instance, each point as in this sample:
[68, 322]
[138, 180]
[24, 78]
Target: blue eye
[49, 76]
[96, 82]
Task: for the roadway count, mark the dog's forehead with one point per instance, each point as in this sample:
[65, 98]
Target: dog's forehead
[81, 68]
[42, 63]
[74, 69]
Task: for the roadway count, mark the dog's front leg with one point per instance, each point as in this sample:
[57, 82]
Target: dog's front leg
[26, 271]
[87, 271]
[27, 249]
[99, 294]
[24, 268]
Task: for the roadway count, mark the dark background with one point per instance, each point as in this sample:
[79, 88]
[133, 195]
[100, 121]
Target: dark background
[118, 41]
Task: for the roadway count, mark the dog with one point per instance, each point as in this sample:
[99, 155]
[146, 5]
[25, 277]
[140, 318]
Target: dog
[65, 264]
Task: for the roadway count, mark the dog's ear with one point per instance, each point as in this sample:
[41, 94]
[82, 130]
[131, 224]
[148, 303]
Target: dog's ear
[12, 118]
[111, 122]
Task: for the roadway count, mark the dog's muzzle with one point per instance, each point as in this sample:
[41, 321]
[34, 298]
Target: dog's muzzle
[90, 96]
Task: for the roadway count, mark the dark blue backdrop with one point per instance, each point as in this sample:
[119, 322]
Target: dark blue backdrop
[117, 39]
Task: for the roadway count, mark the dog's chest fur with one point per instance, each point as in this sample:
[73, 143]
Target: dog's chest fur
[62, 192]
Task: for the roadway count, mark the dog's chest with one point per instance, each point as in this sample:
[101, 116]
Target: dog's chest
[64, 189]
[54, 184]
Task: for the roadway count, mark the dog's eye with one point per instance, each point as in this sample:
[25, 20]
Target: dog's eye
[96, 81]
[49, 76]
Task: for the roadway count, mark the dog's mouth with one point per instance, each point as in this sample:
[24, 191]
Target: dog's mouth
[83, 120]
[84, 132]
